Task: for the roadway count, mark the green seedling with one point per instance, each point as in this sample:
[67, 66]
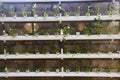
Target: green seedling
[110, 11]
[13, 14]
[13, 32]
[88, 11]
[98, 69]
[109, 30]
[67, 69]
[88, 69]
[118, 68]
[67, 49]
[78, 50]
[45, 14]
[56, 50]
[66, 14]
[108, 69]
[27, 69]
[26, 50]
[24, 13]
[67, 29]
[98, 11]
[56, 11]
[37, 51]
[37, 70]
[34, 10]
[6, 50]
[16, 49]
[47, 50]
[26, 32]
[77, 68]
[48, 69]
[6, 70]
[78, 11]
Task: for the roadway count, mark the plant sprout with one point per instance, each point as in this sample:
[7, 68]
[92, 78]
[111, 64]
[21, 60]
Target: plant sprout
[13, 32]
[66, 14]
[56, 11]
[77, 68]
[24, 13]
[46, 33]
[45, 13]
[109, 30]
[26, 32]
[47, 49]
[110, 11]
[78, 49]
[26, 50]
[67, 69]
[34, 10]
[108, 69]
[3, 12]
[88, 11]
[88, 69]
[67, 49]
[98, 69]
[13, 14]
[67, 29]
[16, 50]
[98, 11]
[48, 69]
[6, 50]
[36, 50]
[37, 70]
[6, 69]
[87, 30]
[27, 69]
[78, 11]
[57, 32]
[56, 50]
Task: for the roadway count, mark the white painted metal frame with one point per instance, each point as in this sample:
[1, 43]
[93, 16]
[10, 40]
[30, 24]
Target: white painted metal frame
[60, 37]
[61, 18]
[61, 56]
[44, 0]
[60, 74]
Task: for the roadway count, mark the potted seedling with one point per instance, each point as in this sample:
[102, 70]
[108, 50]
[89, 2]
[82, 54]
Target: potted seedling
[13, 32]
[48, 70]
[56, 11]
[78, 49]
[24, 13]
[78, 11]
[6, 51]
[108, 70]
[58, 69]
[99, 51]
[56, 50]
[67, 49]
[13, 14]
[26, 32]
[37, 70]
[47, 49]
[3, 12]
[67, 70]
[88, 69]
[57, 32]
[86, 30]
[34, 11]
[118, 68]
[37, 51]
[26, 50]
[66, 14]
[109, 30]
[98, 70]
[45, 14]
[110, 11]
[88, 11]
[17, 70]
[98, 11]
[67, 29]
[16, 50]
[77, 68]
[6, 69]
[46, 33]
[27, 69]
[109, 51]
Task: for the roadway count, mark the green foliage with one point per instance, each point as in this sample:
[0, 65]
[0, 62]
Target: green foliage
[12, 12]
[78, 11]
[13, 32]
[98, 69]
[88, 69]
[36, 50]
[34, 9]
[27, 50]
[67, 49]
[56, 50]
[24, 13]
[118, 67]
[77, 67]
[37, 70]
[78, 49]
[56, 11]
[48, 69]
[67, 29]
[3, 11]
[16, 49]
[66, 13]
[87, 30]
[45, 13]
[108, 69]
[110, 11]
[6, 50]
[98, 23]
[98, 11]
[46, 49]
[26, 32]
[88, 11]
[109, 30]
[6, 69]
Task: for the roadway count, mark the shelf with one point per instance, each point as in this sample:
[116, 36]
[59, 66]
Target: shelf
[59, 74]
[45, 0]
[62, 18]
[61, 56]
[60, 37]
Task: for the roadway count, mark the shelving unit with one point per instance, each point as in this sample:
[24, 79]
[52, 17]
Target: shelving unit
[62, 56]
[60, 38]
[59, 18]
[60, 74]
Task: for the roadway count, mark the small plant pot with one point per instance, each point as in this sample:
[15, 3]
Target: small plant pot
[77, 71]
[77, 33]
[67, 71]
[37, 71]
[57, 70]
[18, 71]
[47, 53]
[35, 15]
